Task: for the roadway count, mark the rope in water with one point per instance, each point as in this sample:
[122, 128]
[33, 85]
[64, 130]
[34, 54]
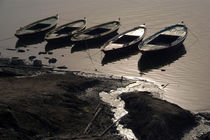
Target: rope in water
[4, 39]
[86, 45]
[195, 41]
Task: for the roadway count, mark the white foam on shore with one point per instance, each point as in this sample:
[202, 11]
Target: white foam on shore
[118, 105]
[141, 84]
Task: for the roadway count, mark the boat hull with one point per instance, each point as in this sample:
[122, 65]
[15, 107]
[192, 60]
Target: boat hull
[97, 39]
[97, 33]
[126, 41]
[163, 51]
[127, 49]
[38, 28]
[40, 34]
[71, 29]
[168, 39]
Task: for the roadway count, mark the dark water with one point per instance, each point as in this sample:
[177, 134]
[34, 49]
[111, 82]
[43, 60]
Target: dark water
[185, 73]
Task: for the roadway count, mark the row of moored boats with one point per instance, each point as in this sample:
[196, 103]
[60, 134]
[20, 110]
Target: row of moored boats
[167, 38]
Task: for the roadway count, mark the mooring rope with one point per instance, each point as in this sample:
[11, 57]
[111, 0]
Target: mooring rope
[64, 19]
[4, 39]
[196, 39]
[95, 53]
[89, 56]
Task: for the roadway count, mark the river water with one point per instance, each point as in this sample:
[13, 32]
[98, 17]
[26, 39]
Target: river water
[185, 74]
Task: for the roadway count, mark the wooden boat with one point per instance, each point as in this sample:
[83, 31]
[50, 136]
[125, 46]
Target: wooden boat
[97, 32]
[39, 27]
[167, 39]
[125, 41]
[66, 31]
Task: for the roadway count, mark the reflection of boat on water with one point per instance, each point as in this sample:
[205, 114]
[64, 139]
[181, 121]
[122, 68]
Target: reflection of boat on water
[27, 42]
[85, 46]
[125, 41]
[148, 62]
[54, 46]
[116, 56]
[169, 38]
[37, 28]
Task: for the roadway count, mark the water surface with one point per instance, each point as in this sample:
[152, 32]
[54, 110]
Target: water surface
[185, 74]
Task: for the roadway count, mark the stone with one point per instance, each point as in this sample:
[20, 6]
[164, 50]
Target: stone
[205, 136]
[62, 67]
[16, 61]
[37, 63]
[21, 51]
[52, 60]
[4, 60]
[32, 57]
[50, 53]
[42, 53]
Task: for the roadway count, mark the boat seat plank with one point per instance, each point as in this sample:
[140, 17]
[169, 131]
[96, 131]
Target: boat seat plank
[113, 46]
[126, 39]
[139, 32]
[178, 31]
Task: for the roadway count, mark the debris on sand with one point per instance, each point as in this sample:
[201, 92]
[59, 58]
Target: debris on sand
[52, 60]
[31, 58]
[62, 67]
[21, 51]
[37, 63]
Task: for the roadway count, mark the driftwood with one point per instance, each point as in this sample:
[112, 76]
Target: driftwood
[97, 111]
[109, 127]
[165, 85]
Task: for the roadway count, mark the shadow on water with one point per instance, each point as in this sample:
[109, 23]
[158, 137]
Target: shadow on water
[24, 42]
[154, 61]
[85, 46]
[119, 55]
[58, 45]
[90, 44]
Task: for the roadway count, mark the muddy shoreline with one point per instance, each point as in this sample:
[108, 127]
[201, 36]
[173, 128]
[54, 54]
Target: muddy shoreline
[68, 106]
[53, 105]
